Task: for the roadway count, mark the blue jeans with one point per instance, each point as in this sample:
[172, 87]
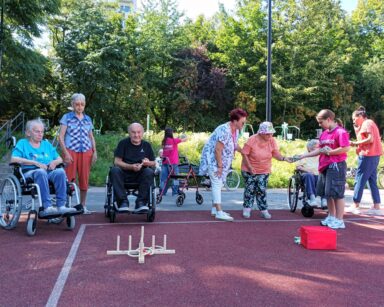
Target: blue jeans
[310, 181]
[366, 171]
[165, 169]
[42, 177]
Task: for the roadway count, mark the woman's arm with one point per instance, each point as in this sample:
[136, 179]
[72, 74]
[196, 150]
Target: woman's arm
[369, 139]
[218, 157]
[67, 156]
[93, 142]
[24, 161]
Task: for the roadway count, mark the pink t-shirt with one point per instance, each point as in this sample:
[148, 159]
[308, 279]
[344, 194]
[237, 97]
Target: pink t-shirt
[369, 149]
[260, 154]
[171, 151]
[336, 138]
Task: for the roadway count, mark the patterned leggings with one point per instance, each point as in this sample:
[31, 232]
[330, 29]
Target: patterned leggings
[255, 186]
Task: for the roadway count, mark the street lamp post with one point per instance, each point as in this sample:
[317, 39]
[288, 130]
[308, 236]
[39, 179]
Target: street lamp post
[2, 33]
[269, 64]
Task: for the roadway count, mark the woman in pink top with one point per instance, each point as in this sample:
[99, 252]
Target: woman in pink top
[170, 160]
[256, 167]
[334, 145]
[369, 149]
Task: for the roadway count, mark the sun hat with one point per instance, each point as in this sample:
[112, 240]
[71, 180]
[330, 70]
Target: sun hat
[266, 128]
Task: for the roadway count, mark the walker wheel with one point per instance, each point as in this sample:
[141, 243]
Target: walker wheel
[159, 198]
[199, 198]
[179, 200]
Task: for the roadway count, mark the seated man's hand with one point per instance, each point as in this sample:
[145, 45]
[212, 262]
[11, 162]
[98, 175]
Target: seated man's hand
[51, 165]
[137, 167]
[41, 165]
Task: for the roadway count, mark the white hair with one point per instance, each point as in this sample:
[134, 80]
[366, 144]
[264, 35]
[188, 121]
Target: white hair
[77, 97]
[33, 123]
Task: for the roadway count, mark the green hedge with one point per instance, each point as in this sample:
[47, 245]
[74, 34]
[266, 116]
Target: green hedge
[281, 171]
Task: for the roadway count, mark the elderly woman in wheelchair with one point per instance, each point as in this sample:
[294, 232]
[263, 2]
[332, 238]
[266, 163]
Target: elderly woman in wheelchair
[302, 185]
[37, 173]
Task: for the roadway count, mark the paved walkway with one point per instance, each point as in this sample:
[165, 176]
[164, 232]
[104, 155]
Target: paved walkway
[232, 200]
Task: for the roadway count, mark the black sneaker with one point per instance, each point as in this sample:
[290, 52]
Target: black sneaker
[141, 208]
[124, 206]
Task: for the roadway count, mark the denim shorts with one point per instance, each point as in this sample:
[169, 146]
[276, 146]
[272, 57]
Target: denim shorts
[331, 183]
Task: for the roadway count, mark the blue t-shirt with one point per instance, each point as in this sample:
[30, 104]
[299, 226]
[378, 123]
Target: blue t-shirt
[44, 154]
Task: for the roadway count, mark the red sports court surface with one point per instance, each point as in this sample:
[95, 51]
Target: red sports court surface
[245, 263]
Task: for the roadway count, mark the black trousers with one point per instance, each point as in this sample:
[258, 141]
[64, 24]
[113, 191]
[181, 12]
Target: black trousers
[144, 178]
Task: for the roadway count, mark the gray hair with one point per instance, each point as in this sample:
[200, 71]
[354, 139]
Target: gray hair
[77, 97]
[135, 124]
[312, 144]
[33, 123]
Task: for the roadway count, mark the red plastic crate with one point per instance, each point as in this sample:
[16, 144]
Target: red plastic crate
[318, 237]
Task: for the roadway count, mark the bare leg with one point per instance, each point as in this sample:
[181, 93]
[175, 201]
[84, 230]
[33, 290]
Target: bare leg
[331, 207]
[340, 204]
[83, 197]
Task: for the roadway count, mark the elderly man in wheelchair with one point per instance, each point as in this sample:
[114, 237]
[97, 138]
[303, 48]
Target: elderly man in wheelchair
[37, 173]
[132, 173]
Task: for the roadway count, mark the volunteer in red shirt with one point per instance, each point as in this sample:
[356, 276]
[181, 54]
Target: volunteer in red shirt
[369, 150]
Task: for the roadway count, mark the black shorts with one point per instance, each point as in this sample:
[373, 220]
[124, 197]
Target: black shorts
[332, 180]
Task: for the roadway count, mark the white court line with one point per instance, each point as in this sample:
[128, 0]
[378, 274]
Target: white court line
[63, 276]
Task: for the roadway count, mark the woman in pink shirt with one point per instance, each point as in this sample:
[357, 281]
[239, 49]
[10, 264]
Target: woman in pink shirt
[170, 160]
[256, 167]
[334, 145]
[369, 149]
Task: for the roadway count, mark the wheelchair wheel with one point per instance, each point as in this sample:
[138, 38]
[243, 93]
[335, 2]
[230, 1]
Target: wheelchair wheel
[31, 225]
[199, 198]
[232, 181]
[159, 198]
[10, 202]
[183, 195]
[108, 198]
[71, 222]
[179, 200]
[293, 193]
[112, 216]
[151, 215]
[307, 211]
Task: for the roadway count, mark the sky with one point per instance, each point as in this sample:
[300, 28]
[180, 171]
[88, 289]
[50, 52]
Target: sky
[193, 8]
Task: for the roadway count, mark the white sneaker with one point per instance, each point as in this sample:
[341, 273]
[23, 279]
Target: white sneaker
[246, 213]
[353, 210]
[265, 214]
[213, 211]
[336, 224]
[50, 210]
[86, 211]
[329, 219]
[374, 211]
[221, 215]
[324, 203]
[64, 209]
[313, 203]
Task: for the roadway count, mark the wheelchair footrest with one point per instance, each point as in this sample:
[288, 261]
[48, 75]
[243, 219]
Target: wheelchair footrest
[79, 210]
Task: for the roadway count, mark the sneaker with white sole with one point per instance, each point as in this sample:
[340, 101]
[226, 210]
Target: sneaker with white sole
[64, 209]
[265, 214]
[329, 219]
[50, 211]
[353, 210]
[221, 215]
[324, 203]
[336, 224]
[374, 211]
[86, 211]
[313, 203]
[246, 213]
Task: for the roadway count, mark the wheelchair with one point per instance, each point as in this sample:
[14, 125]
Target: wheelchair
[13, 192]
[111, 209]
[296, 192]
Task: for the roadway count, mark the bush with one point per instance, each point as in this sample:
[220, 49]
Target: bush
[281, 171]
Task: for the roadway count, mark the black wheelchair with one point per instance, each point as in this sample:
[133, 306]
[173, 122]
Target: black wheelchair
[111, 209]
[14, 190]
[296, 192]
